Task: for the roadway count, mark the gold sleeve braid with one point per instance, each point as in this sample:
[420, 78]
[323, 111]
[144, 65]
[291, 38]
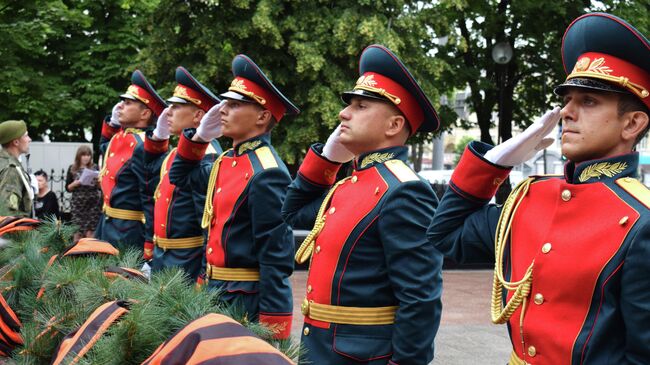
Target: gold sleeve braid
[521, 287]
[208, 209]
[306, 248]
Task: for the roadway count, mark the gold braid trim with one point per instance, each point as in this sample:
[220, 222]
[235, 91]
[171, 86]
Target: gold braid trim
[307, 246]
[208, 210]
[521, 288]
[163, 172]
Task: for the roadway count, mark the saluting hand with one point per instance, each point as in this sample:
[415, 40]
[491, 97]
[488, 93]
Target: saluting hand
[161, 132]
[115, 116]
[210, 126]
[524, 146]
[334, 149]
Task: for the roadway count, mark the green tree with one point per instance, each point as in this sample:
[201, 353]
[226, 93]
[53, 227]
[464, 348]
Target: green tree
[459, 147]
[65, 62]
[310, 49]
[471, 28]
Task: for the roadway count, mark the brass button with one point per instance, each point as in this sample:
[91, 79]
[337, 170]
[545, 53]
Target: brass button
[218, 190]
[539, 299]
[546, 248]
[532, 351]
[131, 144]
[306, 331]
[304, 307]
[623, 220]
[317, 249]
[332, 210]
[209, 250]
[377, 190]
[354, 179]
[112, 154]
[309, 288]
[122, 160]
[167, 199]
[246, 176]
[566, 195]
[234, 163]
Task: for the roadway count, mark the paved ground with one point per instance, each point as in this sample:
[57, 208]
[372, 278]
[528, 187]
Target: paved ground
[466, 335]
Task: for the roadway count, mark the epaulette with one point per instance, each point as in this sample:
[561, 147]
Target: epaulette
[402, 172]
[635, 188]
[266, 157]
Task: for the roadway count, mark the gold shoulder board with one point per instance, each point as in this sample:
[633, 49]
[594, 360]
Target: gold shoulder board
[266, 157]
[635, 188]
[401, 170]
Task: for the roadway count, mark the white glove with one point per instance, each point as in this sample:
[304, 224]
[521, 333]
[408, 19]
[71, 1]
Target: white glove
[161, 132]
[334, 150]
[525, 146]
[146, 270]
[210, 126]
[115, 116]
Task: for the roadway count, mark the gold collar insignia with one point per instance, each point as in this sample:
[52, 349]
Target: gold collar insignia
[248, 146]
[602, 168]
[376, 158]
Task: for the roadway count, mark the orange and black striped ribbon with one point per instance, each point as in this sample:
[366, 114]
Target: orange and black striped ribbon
[76, 344]
[9, 329]
[216, 339]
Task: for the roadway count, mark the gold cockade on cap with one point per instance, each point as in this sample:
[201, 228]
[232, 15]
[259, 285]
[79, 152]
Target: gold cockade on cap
[597, 69]
[133, 91]
[239, 86]
[368, 83]
[181, 92]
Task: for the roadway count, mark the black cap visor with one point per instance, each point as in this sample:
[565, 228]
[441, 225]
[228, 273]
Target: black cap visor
[347, 96]
[587, 83]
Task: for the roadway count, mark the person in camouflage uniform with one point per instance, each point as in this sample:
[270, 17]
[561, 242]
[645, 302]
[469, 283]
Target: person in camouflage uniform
[16, 193]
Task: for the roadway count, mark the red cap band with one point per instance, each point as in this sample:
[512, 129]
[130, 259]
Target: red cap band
[193, 96]
[614, 70]
[393, 91]
[263, 97]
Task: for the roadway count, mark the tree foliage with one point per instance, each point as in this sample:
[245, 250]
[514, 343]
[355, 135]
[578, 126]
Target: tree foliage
[65, 62]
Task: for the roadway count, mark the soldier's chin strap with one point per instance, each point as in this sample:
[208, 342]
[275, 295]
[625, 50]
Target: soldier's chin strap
[521, 288]
[306, 248]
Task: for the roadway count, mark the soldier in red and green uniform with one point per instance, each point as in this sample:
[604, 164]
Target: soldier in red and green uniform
[374, 284]
[127, 203]
[177, 235]
[249, 254]
[572, 272]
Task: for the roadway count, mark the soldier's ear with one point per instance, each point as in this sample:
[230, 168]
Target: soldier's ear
[198, 115]
[263, 117]
[636, 123]
[396, 124]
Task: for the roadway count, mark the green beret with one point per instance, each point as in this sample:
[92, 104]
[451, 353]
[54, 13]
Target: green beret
[11, 130]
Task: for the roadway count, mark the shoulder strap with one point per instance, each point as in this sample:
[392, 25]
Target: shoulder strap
[402, 172]
[266, 157]
[635, 188]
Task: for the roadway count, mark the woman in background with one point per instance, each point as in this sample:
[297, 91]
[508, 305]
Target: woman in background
[85, 202]
[45, 202]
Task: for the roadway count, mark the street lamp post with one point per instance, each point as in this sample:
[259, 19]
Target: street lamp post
[501, 54]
